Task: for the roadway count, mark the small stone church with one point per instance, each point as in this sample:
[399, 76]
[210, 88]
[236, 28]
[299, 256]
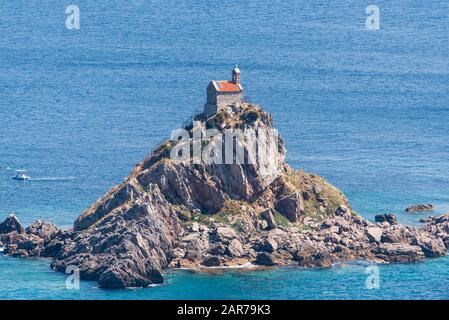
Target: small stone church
[224, 93]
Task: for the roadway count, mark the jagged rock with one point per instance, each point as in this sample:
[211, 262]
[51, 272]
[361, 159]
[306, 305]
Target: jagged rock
[304, 254]
[446, 242]
[290, 206]
[217, 249]
[268, 245]
[11, 224]
[387, 217]
[22, 244]
[398, 253]
[374, 234]
[395, 234]
[441, 219]
[267, 259]
[88, 267]
[420, 208]
[110, 201]
[185, 185]
[196, 249]
[341, 210]
[211, 261]
[54, 249]
[326, 224]
[323, 260]
[43, 230]
[235, 248]
[224, 234]
[333, 238]
[129, 273]
[426, 220]
[268, 216]
[19, 253]
[432, 247]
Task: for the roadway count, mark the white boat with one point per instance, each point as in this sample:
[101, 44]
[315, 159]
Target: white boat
[21, 175]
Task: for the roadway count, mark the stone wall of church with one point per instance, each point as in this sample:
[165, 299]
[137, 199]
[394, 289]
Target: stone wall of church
[225, 99]
[211, 94]
[219, 100]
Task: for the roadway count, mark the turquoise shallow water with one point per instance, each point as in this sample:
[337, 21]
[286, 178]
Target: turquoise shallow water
[366, 110]
[34, 280]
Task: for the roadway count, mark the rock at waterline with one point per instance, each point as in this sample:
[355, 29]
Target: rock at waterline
[398, 253]
[11, 224]
[267, 259]
[386, 217]
[420, 208]
[212, 261]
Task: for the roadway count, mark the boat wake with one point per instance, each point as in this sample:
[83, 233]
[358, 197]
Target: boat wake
[52, 179]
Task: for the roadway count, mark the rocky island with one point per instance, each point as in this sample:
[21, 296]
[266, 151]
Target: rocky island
[185, 214]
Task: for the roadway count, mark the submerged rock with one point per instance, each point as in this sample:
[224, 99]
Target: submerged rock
[420, 208]
[387, 217]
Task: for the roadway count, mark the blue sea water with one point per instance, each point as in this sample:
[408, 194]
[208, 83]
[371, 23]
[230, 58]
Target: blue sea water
[367, 110]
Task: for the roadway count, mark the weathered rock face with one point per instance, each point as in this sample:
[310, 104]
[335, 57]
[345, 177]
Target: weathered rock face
[42, 229]
[171, 214]
[211, 261]
[435, 233]
[398, 253]
[268, 216]
[290, 206]
[11, 224]
[374, 234]
[267, 259]
[137, 241]
[396, 234]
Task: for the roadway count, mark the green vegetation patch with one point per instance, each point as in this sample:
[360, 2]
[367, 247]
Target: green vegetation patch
[281, 220]
[313, 187]
[221, 116]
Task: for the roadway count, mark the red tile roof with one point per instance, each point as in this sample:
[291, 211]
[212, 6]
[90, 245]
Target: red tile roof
[227, 86]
